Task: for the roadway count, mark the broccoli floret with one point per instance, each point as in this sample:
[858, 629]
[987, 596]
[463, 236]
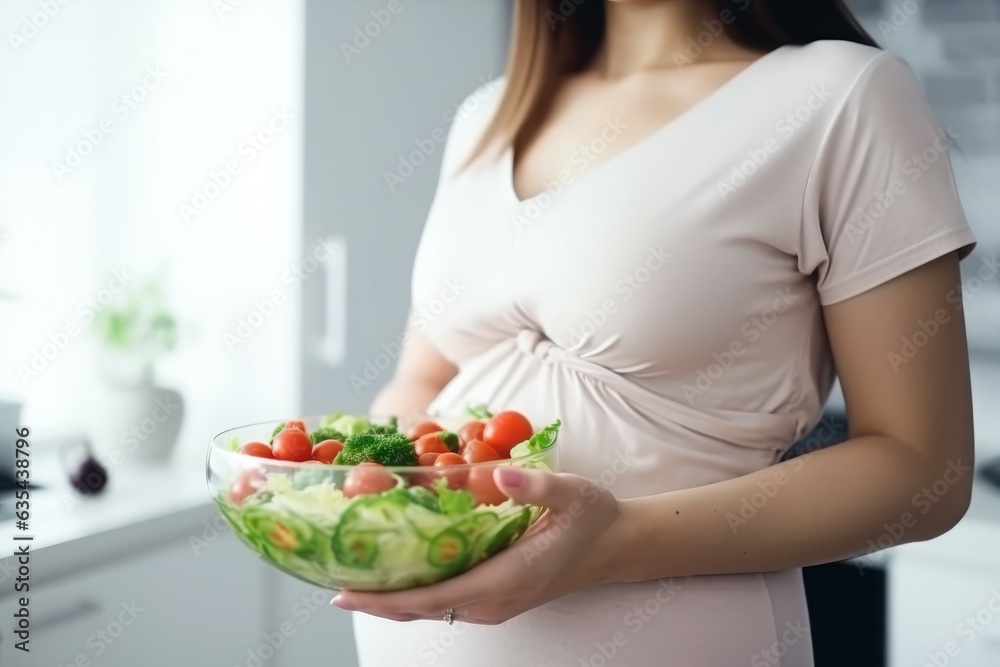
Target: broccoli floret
[391, 427]
[326, 433]
[390, 449]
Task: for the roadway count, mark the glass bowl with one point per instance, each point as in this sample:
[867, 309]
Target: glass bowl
[427, 528]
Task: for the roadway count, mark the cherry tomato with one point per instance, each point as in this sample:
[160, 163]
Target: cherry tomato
[428, 459]
[292, 445]
[258, 449]
[478, 451]
[315, 462]
[327, 450]
[246, 484]
[482, 486]
[297, 424]
[434, 442]
[366, 478]
[506, 429]
[471, 431]
[422, 428]
[450, 459]
[456, 478]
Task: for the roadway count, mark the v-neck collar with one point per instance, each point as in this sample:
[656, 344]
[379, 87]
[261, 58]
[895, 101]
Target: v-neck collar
[507, 158]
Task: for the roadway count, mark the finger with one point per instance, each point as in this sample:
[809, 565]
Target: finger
[557, 492]
[401, 618]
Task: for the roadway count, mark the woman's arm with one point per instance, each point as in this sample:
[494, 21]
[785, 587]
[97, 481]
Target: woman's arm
[420, 375]
[904, 475]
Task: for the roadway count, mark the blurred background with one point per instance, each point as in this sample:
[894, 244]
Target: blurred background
[208, 215]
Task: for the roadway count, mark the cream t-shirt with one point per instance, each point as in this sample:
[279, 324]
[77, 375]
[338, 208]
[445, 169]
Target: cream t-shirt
[666, 305]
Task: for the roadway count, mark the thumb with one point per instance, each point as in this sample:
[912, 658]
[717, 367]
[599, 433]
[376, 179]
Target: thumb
[538, 487]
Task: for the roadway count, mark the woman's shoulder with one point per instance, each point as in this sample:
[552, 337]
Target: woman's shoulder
[842, 63]
[853, 78]
[475, 112]
[469, 120]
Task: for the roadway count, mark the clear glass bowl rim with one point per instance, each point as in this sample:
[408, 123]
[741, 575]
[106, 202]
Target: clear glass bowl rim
[215, 448]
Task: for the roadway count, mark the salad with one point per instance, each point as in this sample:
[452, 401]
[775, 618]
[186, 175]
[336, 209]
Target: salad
[352, 503]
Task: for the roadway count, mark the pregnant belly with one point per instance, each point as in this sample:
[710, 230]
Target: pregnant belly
[717, 621]
[622, 435]
[635, 443]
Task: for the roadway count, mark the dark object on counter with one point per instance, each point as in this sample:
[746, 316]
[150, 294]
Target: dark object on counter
[90, 478]
[990, 471]
[847, 614]
[85, 474]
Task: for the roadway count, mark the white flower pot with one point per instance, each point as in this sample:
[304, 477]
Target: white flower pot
[133, 423]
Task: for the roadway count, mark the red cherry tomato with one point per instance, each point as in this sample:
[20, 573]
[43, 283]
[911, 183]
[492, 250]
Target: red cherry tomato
[327, 450]
[428, 458]
[506, 429]
[297, 424]
[456, 478]
[422, 428]
[471, 431]
[478, 451]
[482, 486]
[292, 445]
[315, 462]
[246, 484]
[258, 449]
[366, 478]
[431, 442]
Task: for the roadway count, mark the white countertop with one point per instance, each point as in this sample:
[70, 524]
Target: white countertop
[142, 505]
[140, 492]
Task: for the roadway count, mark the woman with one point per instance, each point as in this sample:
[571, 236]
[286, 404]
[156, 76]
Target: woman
[670, 225]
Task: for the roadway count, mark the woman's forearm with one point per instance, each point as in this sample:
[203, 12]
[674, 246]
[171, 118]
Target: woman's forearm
[824, 506]
[404, 397]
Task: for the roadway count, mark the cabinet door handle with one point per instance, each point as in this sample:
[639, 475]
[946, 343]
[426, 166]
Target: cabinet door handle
[84, 607]
[332, 346]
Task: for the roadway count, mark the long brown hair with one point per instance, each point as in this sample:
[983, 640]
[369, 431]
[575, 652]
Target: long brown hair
[554, 38]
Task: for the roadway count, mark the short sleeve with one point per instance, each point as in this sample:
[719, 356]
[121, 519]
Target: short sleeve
[469, 121]
[881, 198]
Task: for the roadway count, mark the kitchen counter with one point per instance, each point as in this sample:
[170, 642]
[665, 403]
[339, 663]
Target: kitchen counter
[142, 505]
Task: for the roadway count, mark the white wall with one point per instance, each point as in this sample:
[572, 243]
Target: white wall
[224, 67]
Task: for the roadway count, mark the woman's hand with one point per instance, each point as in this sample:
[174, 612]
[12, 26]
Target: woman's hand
[568, 548]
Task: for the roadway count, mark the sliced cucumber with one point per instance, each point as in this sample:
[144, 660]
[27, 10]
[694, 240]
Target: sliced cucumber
[359, 548]
[280, 532]
[448, 550]
[356, 548]
[507, 532]
[232, 518]
[424, 498]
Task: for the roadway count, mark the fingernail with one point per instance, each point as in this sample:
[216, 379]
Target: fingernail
[512, 478]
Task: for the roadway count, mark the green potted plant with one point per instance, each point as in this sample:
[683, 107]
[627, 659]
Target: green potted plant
[137, 418]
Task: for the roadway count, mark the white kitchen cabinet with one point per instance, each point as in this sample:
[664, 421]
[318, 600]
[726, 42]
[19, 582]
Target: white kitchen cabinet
[164, 607]
[944, 602]
[318, 633]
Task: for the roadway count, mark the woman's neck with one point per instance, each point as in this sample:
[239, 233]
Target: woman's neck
[655, 34]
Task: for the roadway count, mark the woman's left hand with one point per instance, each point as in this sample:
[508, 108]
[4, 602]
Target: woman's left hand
[568, 548]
